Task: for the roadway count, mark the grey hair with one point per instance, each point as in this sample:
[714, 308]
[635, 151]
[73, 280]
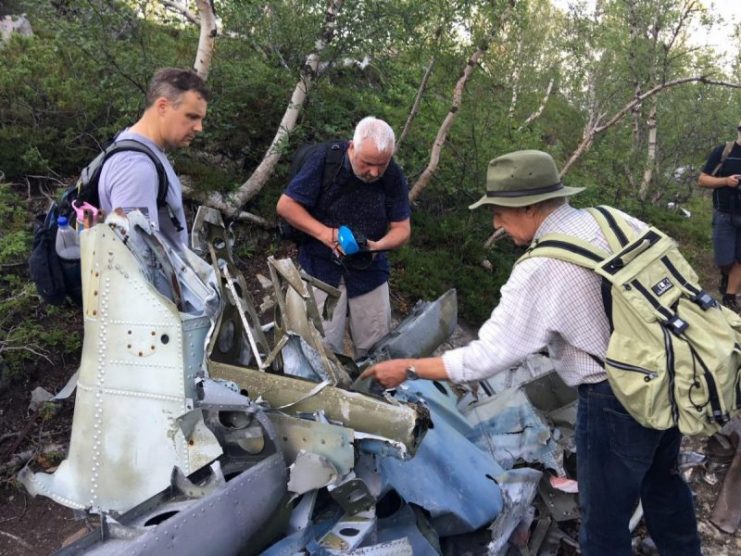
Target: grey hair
[549, 205]
[379, 131]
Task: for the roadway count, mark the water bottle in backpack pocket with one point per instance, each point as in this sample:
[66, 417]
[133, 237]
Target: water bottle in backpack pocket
[56, 278]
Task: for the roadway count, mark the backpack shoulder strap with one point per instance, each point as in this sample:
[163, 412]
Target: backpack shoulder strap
[137, 146]
[332, 163]
[724, 155]
[616, 230]
[565, 248]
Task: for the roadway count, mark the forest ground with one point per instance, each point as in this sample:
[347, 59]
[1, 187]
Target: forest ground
[38, 526]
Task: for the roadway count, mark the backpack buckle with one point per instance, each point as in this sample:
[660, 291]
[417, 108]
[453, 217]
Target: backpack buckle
[704, 300]
[677, 325]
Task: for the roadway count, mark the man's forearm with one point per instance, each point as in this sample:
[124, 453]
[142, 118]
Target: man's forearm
[298, 217]
[713, 182]
[398, 235]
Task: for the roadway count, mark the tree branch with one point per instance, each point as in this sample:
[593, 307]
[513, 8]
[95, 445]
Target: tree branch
[593, 127]
[535, 115]
[182, 10]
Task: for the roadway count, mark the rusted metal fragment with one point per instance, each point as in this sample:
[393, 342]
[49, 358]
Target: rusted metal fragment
[403, 425]
[727, 511]
[352, 495]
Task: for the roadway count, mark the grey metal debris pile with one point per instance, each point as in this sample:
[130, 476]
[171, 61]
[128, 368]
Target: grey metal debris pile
[197, 429]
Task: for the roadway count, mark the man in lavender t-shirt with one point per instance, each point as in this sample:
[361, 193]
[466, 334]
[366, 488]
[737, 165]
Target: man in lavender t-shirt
[176, 106]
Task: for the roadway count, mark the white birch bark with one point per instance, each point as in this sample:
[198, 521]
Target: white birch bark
[535, 115]
[260, 175]
[442, 133]
[648, 169]
[207, 39]
[415, 105]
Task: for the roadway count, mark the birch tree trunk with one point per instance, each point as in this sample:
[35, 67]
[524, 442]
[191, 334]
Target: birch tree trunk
[515, 80]
[207, 39]
[535, 115]
[259, 177]
[442, 133]
[415, 105]
[648, 170]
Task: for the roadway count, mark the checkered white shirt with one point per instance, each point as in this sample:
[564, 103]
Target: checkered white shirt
[546, 303]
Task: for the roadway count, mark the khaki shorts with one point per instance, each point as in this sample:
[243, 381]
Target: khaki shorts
[369, 319]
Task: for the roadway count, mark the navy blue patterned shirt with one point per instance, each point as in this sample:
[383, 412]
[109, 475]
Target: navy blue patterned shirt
[725, 199]
[367, 208]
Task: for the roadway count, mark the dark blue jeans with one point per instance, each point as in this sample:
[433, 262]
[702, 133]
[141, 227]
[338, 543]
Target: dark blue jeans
[620, 462]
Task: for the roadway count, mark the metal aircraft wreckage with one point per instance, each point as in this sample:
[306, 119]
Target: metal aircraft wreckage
[199, 430]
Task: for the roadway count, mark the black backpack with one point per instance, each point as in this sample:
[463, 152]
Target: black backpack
[57, 278]
[332, 165]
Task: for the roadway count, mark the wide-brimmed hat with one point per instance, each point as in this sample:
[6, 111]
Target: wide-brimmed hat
[523, 178]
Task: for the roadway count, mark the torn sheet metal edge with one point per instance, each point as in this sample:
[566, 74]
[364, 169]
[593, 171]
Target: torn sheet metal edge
[330, 441]
[471, 497]
[428, 325]
[399, 547]
[401, 423]
[310, 472]
[438, 397]
[519, 487]
[302, 317]
[509, 427]
[301, 359]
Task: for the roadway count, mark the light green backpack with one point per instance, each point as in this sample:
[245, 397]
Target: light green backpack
[674, 355]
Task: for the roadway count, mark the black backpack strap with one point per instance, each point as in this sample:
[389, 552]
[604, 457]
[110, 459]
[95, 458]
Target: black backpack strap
[123, 145]
[332, 164]
[724, 155]
[163, 183]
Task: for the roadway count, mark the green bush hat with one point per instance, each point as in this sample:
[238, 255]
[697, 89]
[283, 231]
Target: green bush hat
[523, 178]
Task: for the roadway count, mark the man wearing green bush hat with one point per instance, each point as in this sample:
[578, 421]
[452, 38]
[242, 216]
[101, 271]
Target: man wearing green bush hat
[556, 305]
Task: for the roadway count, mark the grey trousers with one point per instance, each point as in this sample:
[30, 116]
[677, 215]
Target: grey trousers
[369, 319]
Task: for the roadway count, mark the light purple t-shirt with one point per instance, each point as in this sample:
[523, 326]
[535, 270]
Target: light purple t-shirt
[129, 180]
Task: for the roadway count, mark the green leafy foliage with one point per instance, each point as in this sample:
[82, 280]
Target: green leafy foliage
[80, 79]
[446, 251]
[31, 334]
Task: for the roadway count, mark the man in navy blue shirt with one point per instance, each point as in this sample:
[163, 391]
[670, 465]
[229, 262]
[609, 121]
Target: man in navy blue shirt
[369, 195]
[724, 180]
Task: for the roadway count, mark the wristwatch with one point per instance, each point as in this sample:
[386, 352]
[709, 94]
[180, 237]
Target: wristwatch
[411, 373]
